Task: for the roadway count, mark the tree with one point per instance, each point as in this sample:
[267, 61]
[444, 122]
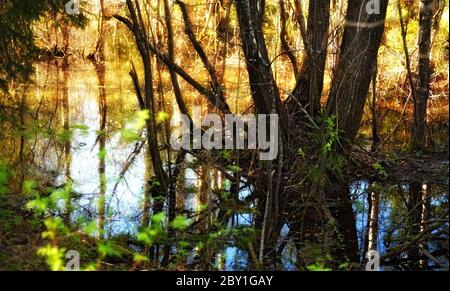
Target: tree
[359, 51]
[424, 72]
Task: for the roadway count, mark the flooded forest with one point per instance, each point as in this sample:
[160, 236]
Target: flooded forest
[352, 94]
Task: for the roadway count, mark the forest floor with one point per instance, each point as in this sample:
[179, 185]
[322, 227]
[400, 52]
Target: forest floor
[399, 166]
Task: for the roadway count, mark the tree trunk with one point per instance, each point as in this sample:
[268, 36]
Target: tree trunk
[265, 93]
[308, 90]
[359, 51]
[423, 87]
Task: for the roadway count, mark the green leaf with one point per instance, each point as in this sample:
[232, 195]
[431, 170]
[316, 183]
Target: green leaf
[317, 267]
[180, 222]
[162, 117]
[108, 250]
[90, 228]
[29, 187]
[144, 237]
[138, 258]
[129, 135]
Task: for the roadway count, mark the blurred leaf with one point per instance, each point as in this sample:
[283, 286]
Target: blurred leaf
[180, 222]
[317, 267]
[108, 250]
[162, 117]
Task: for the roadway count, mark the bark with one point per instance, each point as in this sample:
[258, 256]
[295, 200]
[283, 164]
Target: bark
[143, 42]
[98, 59]
[265, 93]
[171, 55]
[309, 86]
[374, 109]
[423, 87]
[359, 50]
[188, 28]
[284, 38]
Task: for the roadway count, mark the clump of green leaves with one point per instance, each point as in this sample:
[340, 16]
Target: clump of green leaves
[380, 169]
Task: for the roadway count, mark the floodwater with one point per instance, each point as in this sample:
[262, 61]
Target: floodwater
[45, 158]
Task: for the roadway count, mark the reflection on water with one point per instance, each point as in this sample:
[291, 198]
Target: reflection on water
[385, 214]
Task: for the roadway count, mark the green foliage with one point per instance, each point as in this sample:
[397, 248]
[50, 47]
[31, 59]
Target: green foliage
[162, 117]
[234, 168]
[54, 257]
[380, 169]
[318, 267]
[301, 152]
[326, 148]
[132, 132]
[180, 222]
[90, 228]
[54, 227]
[109, 249]
[155, 233]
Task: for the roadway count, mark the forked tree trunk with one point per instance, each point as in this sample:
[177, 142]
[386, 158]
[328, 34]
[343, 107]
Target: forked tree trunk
[265, 93]
[308, 90]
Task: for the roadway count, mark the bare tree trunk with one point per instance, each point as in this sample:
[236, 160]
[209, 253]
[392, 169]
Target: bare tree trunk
[308, 90]
[265, 93]
[423, 88]
[359, 51]
[171, 54]
[284, 38]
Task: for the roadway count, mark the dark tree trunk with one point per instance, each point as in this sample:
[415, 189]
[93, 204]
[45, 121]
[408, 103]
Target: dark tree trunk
[359, 50]
[265, 93]
[423, 87]
[347, 239]
[414, 203]
[308, 89]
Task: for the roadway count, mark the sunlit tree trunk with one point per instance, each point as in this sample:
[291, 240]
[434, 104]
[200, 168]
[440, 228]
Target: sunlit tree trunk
[372, 235]
[423, 87]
